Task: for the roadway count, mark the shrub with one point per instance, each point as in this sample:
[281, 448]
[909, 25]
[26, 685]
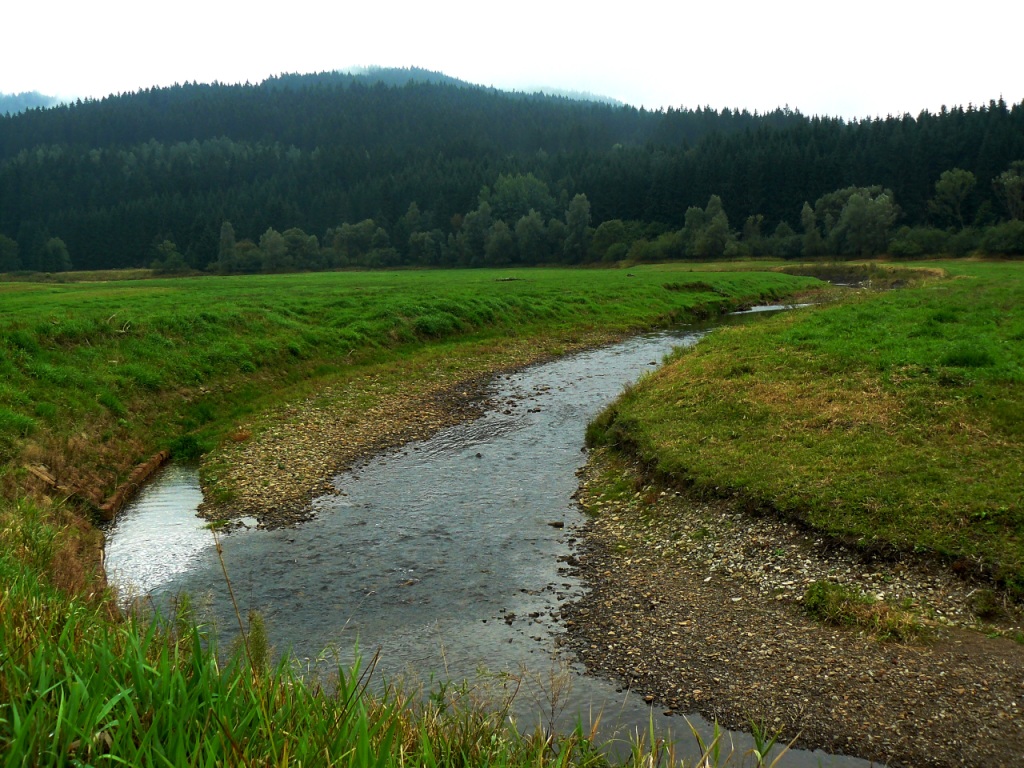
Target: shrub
[964, 242]
[911, 242]
[1004, 239]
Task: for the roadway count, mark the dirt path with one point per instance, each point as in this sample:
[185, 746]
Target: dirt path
[697, 606]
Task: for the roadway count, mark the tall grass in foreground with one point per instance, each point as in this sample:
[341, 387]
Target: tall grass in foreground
[78, 687]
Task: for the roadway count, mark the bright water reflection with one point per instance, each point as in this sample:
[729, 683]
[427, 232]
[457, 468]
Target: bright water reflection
[157, 537]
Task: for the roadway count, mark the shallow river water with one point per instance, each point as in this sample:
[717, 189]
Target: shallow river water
[445, 555]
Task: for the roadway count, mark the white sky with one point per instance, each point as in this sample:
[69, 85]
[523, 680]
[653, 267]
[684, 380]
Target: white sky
[852, 59]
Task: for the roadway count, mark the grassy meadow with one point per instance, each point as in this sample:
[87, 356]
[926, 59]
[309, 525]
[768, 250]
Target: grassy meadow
[891, 419]
[98, 376]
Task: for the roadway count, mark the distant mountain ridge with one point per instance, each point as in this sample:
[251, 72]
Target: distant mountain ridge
[576, 95]
[401, 76]
[13, 103]
[394, 77]
[389, 76]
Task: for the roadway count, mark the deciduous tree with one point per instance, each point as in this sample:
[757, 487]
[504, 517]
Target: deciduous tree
[532, 239]
[54, 256]
[951, 193]
[9, 261]
[1009, 186]
[813, 242]
[274, 251]
[226, 251]
[864, 224]
[577, 224]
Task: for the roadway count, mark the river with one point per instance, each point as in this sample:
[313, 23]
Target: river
[447, 555]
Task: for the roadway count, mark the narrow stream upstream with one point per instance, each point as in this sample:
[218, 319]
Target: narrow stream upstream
[448, 555]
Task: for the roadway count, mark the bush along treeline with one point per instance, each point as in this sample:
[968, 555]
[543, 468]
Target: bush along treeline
[513, 225]
[325, 171]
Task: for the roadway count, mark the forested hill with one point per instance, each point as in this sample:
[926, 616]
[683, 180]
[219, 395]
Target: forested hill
[423, 165]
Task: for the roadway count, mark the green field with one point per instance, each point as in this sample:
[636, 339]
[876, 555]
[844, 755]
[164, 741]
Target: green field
[891, 419]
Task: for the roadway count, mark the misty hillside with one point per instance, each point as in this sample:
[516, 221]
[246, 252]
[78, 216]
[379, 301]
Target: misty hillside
[415, 153]
[13, 103]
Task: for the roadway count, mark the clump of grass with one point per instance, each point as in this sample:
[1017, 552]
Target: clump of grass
[111, 402]
[146, 376]
[965, 356]
[436, 325]
[986, 605]
[46, 410]
[15, 423]
[188, 448]
[841, 606]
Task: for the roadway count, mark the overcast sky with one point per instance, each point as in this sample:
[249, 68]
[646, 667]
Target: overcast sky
[869, 58]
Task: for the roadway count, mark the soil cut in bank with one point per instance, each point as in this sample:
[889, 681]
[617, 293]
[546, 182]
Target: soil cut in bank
[697, 606]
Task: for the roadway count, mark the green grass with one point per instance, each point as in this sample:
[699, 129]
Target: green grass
[142, 363]
[893, 419]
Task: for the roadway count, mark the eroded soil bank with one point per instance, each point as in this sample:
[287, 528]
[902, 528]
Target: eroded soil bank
[697, 606]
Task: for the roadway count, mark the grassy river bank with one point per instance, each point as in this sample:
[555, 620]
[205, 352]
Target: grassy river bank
[99, 377]
[816, 521]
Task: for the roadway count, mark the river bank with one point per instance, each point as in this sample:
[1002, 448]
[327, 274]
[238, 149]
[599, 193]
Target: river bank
[869, 448]
[697, 605]
[277, 463]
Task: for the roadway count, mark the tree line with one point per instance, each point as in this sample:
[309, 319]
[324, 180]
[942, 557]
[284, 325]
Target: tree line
[326, 171]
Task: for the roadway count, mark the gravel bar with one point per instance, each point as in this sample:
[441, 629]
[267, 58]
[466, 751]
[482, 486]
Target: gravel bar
[697, 606]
